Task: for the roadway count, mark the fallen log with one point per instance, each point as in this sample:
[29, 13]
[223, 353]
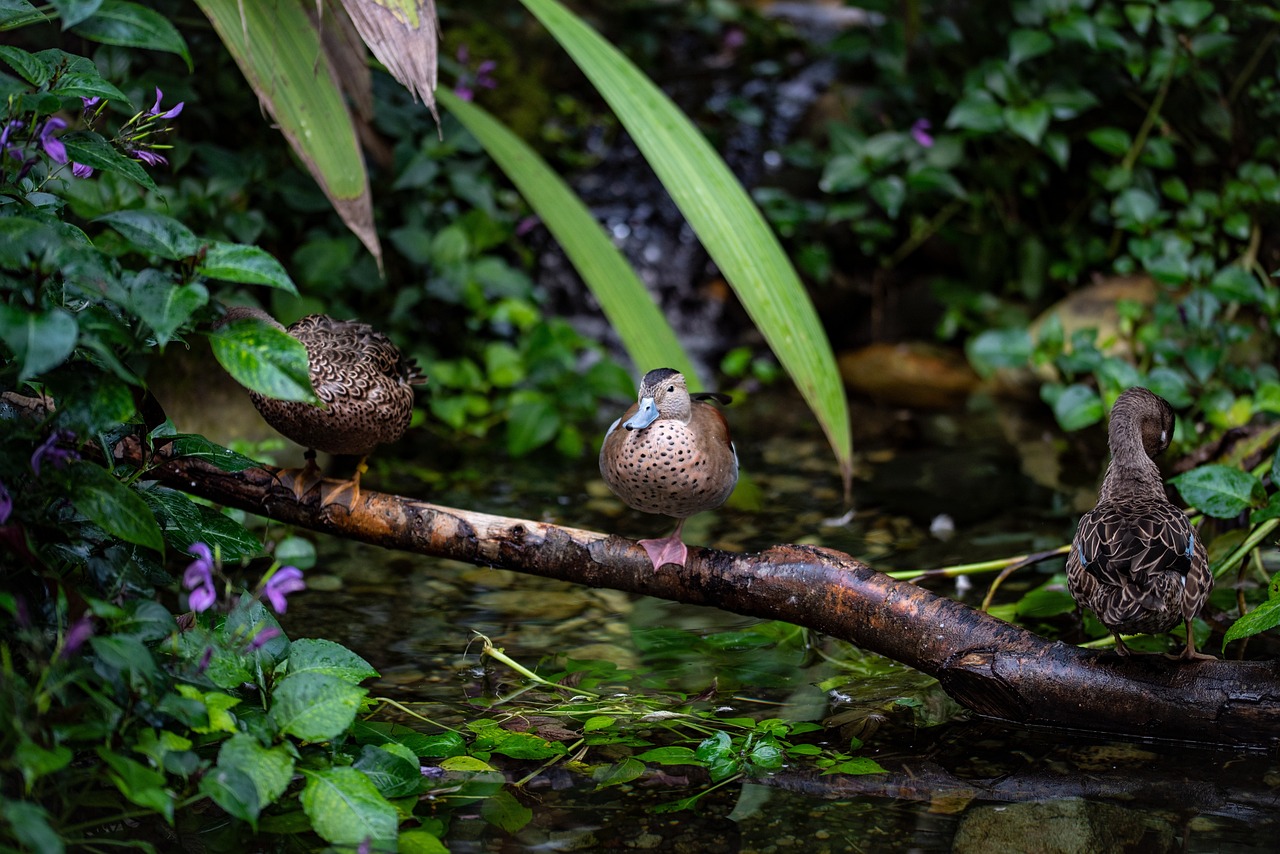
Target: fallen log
[992, 667]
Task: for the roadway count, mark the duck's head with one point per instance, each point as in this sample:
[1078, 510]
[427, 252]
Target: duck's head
[663, 394]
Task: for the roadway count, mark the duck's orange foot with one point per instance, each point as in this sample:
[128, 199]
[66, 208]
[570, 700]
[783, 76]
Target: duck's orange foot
[667, 550]
[303, 480]
[345, 493]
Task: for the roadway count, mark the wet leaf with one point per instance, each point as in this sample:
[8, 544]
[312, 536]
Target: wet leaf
[163, 303]
[138, 783]
[1027, 44]
[317, 655]
[264, 359]
[1028, 121]
[91, 149]
[857, 765]
[1076, 406]
[1220, 491]
[315, 707]
[154, 233]
[191, 446]
[346, 809]
[420, 842]
[249, 265]
[30, 67]
[994, 349]
[29, 824]
[622, 772]
[670, 756]
[114, 507]
[132, 25]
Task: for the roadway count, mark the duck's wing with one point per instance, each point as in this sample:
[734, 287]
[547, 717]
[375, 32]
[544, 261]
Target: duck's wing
[1125, 545]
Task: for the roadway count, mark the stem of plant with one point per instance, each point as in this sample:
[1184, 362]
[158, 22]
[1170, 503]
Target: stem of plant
[983, 566]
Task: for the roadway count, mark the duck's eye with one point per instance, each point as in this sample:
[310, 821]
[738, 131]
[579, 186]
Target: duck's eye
[671, 388]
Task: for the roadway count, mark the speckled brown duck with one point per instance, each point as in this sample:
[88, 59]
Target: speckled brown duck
[366, 386]
[670, 453]
[1136, 561]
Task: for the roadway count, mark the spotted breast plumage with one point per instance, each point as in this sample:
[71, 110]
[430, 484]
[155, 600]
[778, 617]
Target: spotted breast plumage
[670, 453]
[364, 383]
[1136, 561]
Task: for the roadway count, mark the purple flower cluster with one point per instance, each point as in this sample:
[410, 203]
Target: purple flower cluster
[469, 81]
[198, 579]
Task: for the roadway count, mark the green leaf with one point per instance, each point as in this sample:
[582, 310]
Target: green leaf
[91, 149]
[889, 193]
[264, 359]
[504, 811]
[346, 809]
[532, 421]
[1135, 207]
[395, 776]
[15, 14]
[39, 340]
[192, 446]
[315, 706]
[138, 783]
[29, 823]
[722, 214]
[114, 507]
[631, 311]
[249, 265]
[420, 842]
[163, 303]
[1236, 284]
[35, 761]
[857, 765]
[270, 768]
[1171, 385]
[520, 745]
[1078, 406]
[1027, 44]
[994, 349]
[30, 67]
[1184, 13]
[1260, 619]
[154, 233]
[316, 655]
[130, 25]
[1046, 601]
[1028, 121]
[596, 722]
[234, 791]
[1220, 491]
[978, 112]
[1112, 140]
[279, 52]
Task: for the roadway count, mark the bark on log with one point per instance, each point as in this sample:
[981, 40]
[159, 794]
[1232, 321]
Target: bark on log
[990, 666]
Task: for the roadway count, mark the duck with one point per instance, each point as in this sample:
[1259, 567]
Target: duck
[366, 386]
[1136, 561]
[671, 454]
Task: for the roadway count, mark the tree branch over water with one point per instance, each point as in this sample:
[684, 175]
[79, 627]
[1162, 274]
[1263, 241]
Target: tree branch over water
[987, 665]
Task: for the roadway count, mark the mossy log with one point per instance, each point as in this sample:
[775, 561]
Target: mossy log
[990, 666]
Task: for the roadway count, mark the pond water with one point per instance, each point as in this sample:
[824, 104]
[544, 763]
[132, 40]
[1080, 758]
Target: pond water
[954, 783]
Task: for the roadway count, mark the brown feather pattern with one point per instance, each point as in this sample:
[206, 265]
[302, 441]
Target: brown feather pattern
[1136, 561]
[364, 380]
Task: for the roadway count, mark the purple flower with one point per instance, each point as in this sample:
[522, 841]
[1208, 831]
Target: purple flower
[171, 114]
[148, 157]
[468, 81]
[208, 657]
[526, 225]
[484, 74]
[81, 630]
[198, 578]
[920, 133]
[6, 504]
[90, 102]
[463, 55]
[15, 151]
[463, 91]
[267, 634]
[51, 144]
[81, 171]
[49, 452]
[286, 580]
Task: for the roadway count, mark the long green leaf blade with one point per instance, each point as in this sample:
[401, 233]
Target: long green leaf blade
[729, 224]
[645, 333]
[279, 52]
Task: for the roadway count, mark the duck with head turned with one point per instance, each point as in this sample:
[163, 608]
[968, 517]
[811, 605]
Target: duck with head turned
[365, 384]
[1136, 561]
[670, 453]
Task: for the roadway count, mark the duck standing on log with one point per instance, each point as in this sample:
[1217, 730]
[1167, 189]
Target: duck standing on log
[670, 453]
[1136, 561]
[365, 384]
